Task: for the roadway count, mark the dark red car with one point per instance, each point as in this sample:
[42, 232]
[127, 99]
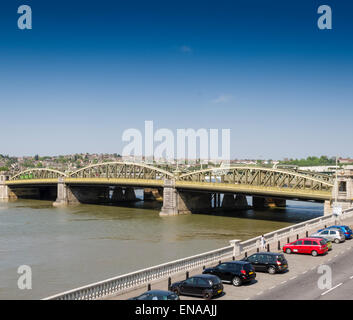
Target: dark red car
[313, 246]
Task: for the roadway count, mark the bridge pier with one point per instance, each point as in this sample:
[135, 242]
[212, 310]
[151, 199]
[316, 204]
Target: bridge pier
[4, 189]
[234, 202]
[170, 199]
[129, 194]
[118, 194]
[65, 196]
[178, 202]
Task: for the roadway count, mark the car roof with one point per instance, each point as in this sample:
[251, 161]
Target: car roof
[158, 292]
[236, 262]
[308, 238]
[270, 253]
[207, 276]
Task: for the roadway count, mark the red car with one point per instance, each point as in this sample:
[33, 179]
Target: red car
[313, 246]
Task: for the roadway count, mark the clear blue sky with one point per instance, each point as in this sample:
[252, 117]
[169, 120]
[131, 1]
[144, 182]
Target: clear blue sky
[90, 69]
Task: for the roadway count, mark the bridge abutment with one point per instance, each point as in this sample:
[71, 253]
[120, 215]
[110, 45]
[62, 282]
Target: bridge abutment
[342, 192]
[4, 189]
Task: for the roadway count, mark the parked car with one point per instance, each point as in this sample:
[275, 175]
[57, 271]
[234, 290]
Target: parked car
[235, 272]
[332, 234]
[157, 295]
[203, 285]
[347, 231]
[328, 242]
[313, 246]
[270, 262]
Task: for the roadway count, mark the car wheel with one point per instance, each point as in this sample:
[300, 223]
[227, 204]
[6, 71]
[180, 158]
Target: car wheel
[314, 253]
[176, 291]
[271, 270]
[337, 241]
[289, 251]
[236, 281]
[206, 295]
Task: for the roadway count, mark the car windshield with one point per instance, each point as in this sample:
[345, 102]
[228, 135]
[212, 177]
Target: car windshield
[281, 258]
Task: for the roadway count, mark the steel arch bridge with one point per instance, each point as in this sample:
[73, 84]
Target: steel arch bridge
[261, 181]
[237, 179]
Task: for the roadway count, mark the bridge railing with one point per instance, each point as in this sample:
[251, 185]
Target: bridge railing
[287, 232]
[138, 278]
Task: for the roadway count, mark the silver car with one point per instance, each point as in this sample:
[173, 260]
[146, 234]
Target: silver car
[332, 234]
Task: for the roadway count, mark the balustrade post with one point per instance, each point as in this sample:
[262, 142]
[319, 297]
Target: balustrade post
[236, 247]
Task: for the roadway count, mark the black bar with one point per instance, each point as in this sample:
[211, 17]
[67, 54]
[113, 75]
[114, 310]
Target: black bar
[204, 267]
[149, 287]
[297, 236]
[233, 258]
[169, 283]
[307, 234]
[288, 240]
[279, 245]
[268, 247]
[246, 254]
[187, 274]
[257, 250]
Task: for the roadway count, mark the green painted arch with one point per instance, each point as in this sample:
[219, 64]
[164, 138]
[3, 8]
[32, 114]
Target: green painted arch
[115, 164]
[38, 173]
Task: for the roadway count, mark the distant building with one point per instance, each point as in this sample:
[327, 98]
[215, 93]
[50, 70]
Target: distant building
[345, 160]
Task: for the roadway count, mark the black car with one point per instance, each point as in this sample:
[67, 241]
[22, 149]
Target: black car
[157, 295]
[235, 272]
[203, 285]
[270, 262]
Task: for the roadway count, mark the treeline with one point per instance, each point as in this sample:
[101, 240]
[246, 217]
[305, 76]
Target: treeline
[311, 161]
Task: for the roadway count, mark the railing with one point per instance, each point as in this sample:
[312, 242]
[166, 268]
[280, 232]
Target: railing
[287, 232]
[137, 279]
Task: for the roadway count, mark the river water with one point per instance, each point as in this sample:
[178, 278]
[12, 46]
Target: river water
[74, 246]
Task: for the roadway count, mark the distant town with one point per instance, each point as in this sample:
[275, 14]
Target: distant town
[72, 162]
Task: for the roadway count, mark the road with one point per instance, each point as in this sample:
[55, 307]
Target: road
[306, 285]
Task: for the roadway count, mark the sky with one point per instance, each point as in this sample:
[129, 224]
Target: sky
[88, 70]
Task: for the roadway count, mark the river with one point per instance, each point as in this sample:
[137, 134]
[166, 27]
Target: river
[75, 246]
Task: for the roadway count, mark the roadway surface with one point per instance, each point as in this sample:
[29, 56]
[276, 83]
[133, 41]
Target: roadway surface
[306, 285]
[300, 282]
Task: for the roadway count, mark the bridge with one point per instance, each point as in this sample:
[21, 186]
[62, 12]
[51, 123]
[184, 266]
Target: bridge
[181, 192]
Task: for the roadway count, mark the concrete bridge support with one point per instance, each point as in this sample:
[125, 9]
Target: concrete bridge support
[129, 194]
[241, 202]
[170, 199]
[118, 194]
[183, 202]
[234, 202]
[189, 202]
[4, 189]
[259, 203]
[65, 196]
[342, 192]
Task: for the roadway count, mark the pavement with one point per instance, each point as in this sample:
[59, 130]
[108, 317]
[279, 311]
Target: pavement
[300, 282]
